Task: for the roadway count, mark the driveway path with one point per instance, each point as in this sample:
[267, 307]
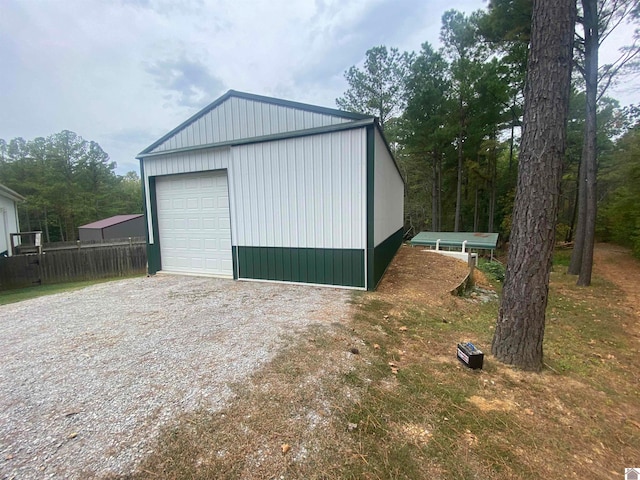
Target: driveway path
[87, 378]
[617, 265]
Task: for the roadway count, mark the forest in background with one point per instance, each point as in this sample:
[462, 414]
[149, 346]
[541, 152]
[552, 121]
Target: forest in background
[68, 181]
[454, 115]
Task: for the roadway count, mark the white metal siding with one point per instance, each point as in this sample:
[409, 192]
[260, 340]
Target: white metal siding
[215, 159]
[307, 192]
[238, 118]
[194, 223]
[8, 222]
[388, 194]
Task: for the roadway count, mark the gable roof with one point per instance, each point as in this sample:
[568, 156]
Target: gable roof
[8, 193]
[111, 221]
[227, 129]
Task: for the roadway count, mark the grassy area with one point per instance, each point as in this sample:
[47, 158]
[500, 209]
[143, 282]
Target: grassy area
[384, 397]
[20, 294]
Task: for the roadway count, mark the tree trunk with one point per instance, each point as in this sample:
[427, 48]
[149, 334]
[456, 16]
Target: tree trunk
[513, 126]
[578, 243]
[434, 193]
[493, 169]
[439, 193]
[574, 212]
[456, 227]
[46, 226]
[476, 214]
[591, 40]
[521, 318]
[28, 219]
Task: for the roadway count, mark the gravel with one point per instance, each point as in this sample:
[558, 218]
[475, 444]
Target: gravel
[89, 377]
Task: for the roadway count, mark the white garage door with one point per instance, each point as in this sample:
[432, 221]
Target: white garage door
[193, 222]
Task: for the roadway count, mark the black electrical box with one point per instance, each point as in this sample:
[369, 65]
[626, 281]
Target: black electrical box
[470, 355]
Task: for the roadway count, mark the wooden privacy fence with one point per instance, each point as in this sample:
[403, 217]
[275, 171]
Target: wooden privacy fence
[73, 264]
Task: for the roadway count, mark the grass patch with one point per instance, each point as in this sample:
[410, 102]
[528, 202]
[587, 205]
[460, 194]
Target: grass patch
[562, 256]
[20, 294]
[404, 407]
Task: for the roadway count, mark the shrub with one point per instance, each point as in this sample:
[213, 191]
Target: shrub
[495, 270]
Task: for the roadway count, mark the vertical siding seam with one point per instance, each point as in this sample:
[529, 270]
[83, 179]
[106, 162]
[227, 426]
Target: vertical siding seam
[293, 181]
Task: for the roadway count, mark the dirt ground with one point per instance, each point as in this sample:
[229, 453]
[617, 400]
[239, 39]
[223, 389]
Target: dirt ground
[382, 395]
[422, 276]
[88, 377]
[615, 264]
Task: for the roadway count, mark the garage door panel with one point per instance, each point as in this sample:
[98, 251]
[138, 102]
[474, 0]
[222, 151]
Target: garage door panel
[194, 223]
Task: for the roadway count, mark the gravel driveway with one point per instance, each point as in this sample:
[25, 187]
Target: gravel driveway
[88, 377]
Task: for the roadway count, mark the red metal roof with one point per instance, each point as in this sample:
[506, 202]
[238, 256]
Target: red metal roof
[108, 222]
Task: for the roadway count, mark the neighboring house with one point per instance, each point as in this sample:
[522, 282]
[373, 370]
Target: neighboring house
[253, 187]
[118, 226]
[8, 218]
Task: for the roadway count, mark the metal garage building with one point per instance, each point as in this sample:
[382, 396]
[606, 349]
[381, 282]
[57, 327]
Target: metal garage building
[253, 187]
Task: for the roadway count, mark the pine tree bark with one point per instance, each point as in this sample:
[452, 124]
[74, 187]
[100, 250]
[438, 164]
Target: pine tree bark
[591, 41]
[439, 229]
[434, 193]
[456, 227]
[494, 182]
[578, 242]
[582, 256]
[521, 319]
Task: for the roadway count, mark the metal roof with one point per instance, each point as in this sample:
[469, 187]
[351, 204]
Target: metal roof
[109, 222]
[266, 138]
[486, 241]
[257, 98]
[7, 192]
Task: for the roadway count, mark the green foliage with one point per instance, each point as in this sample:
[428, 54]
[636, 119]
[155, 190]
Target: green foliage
[458, 100]
[464, 101]
[378, 87]
[562, 256]
[21, 294]
[494, 270]
[619, 215]
[68, 182]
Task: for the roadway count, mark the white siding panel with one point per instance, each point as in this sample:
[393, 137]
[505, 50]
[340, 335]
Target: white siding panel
[239, 118]
[8, 222]
[307, 192]
[388, 194]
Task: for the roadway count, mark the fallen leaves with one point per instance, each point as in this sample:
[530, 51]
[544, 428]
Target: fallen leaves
[285, 448]
[470, 438]
[418, 434]
[394, 368]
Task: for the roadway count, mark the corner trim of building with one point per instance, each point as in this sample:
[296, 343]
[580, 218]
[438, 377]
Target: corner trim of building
[384, 253]
[371, 170]
[153, 249]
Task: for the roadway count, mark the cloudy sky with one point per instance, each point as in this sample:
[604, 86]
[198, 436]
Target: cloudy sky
[124, 72]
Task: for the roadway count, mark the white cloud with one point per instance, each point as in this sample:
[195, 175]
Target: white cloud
[124, 73]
